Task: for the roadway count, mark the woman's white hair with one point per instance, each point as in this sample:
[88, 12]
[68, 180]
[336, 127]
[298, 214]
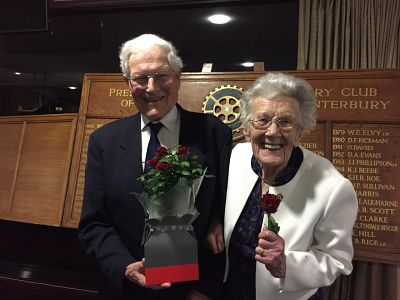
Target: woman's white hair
[144, 42]
[278, 84]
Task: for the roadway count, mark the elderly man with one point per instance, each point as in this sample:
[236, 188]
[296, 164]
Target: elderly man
[112, 220]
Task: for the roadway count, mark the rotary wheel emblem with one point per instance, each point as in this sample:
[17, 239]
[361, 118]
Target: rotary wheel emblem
[224, 103]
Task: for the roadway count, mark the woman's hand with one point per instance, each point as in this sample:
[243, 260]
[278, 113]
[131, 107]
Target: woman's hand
[271, 252]
[135, 273]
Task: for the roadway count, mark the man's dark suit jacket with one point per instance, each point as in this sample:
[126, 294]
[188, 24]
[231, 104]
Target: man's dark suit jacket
[112, 220]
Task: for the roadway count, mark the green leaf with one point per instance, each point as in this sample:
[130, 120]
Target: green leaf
[272, 224]
[182, 167]
[186, 173]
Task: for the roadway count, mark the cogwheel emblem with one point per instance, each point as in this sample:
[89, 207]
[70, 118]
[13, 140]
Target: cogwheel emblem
[224, 103]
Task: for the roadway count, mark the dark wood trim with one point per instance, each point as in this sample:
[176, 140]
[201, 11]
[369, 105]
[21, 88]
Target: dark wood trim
[46, 276]
[17, 289]
[44, 262]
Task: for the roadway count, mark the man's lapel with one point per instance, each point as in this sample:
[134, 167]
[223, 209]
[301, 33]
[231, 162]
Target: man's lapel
[129, 154]
[189, 134]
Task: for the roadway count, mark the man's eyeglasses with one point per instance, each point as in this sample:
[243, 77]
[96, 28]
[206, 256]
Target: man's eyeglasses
[159, 78]
[284, 124]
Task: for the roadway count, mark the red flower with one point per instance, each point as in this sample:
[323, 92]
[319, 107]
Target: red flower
[163, 166]
[153, 162]
[168, 167]
[270, 202]
[183, 151]
[161, 151]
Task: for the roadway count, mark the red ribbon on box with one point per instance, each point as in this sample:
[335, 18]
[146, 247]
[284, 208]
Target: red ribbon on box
[177, 273]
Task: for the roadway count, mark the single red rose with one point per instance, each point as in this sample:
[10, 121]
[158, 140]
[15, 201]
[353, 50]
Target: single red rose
[270, 202]
[183, 151]
[161, 151]
[153, 162]
[163, 166]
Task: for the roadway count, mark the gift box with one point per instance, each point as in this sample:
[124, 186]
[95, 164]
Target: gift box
[170, 251]
[168, 200]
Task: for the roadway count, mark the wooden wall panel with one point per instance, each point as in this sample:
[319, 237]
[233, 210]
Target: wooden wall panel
[37, 156]
[76, 179]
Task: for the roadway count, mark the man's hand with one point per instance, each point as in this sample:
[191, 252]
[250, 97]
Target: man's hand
[270, 252]
[214, 239]
[135, 273]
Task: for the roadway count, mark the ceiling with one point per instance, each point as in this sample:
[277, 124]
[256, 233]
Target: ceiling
[84, 36]
[83, 39]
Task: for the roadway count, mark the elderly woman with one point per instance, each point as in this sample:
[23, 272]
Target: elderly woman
[318, 205]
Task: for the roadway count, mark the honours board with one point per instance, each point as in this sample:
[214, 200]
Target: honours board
[358, 130]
